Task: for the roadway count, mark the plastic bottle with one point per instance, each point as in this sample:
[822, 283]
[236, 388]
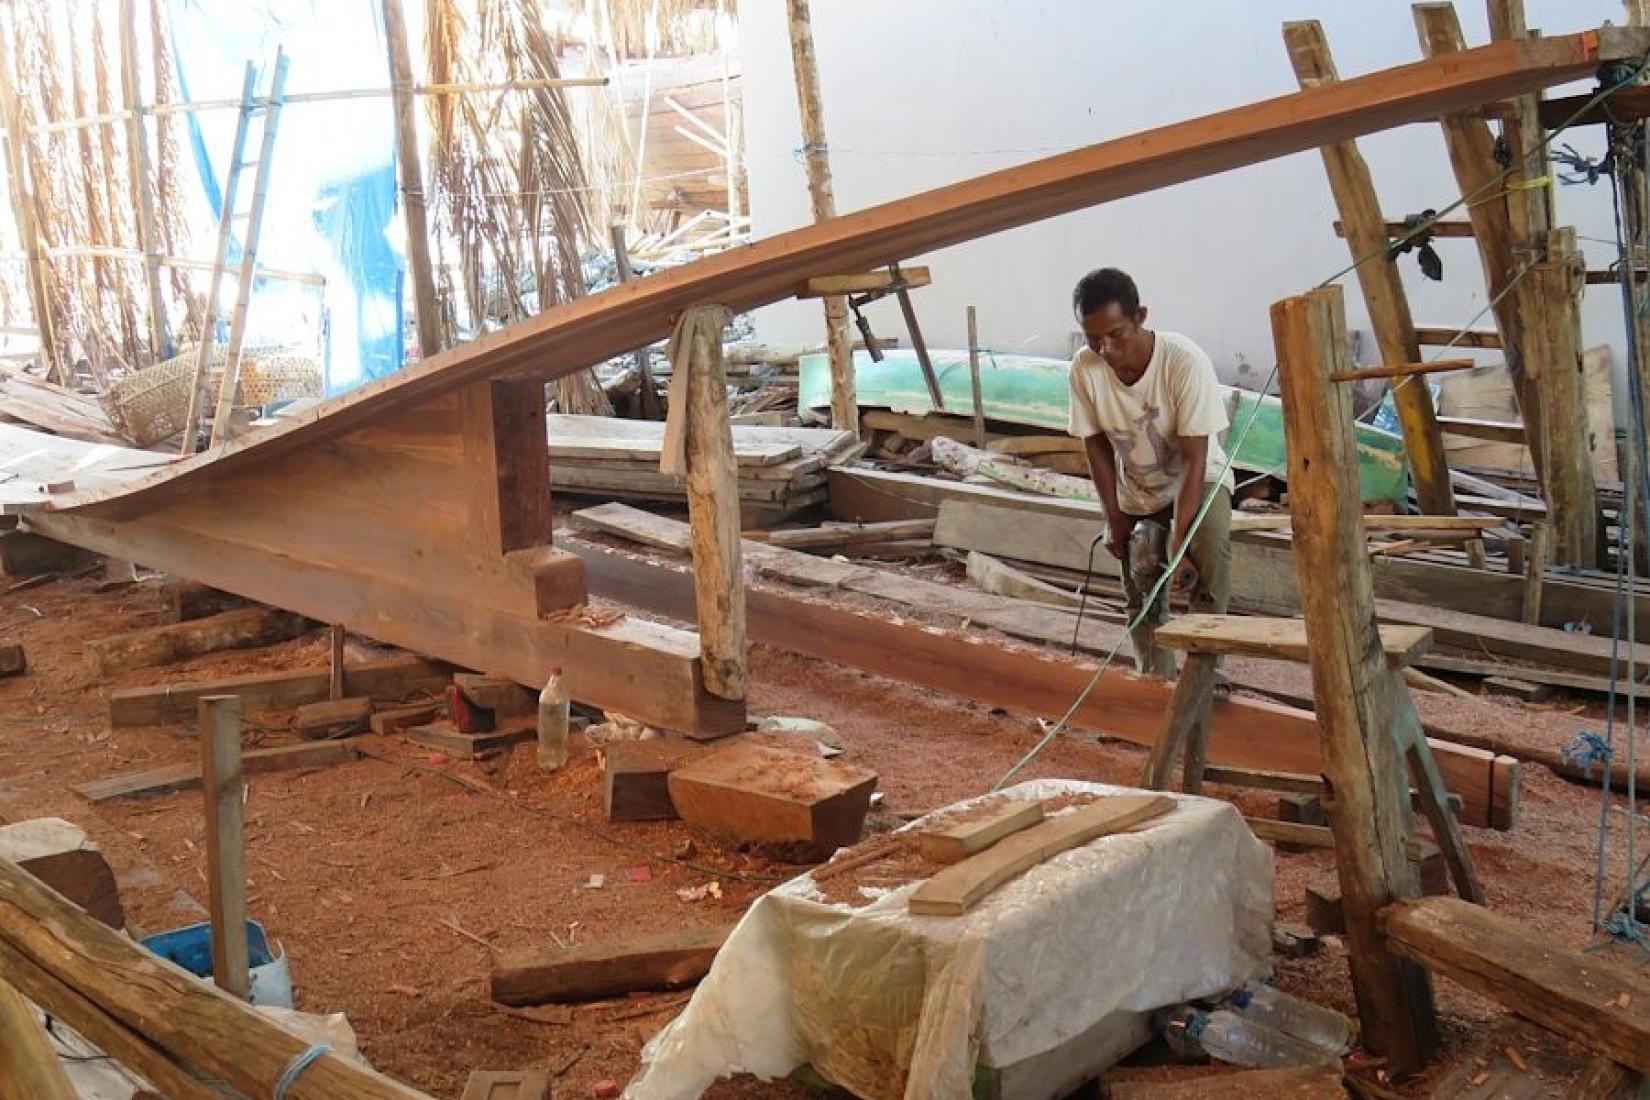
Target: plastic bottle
[1322, 1027]
[553, 704]
[1225, 1035]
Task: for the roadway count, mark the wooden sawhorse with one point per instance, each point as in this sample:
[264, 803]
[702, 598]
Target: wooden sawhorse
[1206, 638]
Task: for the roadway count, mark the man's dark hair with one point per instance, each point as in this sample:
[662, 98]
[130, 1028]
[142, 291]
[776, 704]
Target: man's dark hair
[1101, 287]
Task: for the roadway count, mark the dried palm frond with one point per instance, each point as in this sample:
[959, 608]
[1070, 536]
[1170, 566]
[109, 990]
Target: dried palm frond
[675, 26]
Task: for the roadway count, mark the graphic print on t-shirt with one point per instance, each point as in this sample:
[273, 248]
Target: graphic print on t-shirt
[1158, 463]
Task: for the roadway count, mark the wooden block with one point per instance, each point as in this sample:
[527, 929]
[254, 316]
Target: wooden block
[61, 855]
[515, 1084]
[1294, 941]
[636, 775]
[1324, 913]
[951, 845]
[1431, 867]
[651, 963]
[390, 681]
[243, 629]
[959, 887]
[1294, 1083]
[186, 600]
[1301, 809]
[505, 698]
[1584, 998]
[465, 716]
[1518, 689]
[187, 777]
[23, 554]
[804, 807]
[13, 661]
[396, 719]
[332, 718]
[442, 734]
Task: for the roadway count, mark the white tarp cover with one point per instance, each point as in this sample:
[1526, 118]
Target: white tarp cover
[889, 1005]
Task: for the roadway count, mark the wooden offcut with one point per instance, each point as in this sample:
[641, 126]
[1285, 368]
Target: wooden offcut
[645, 964]
[1580, 996]
[636, 774]
[800, 805]
[963, 885]
[951, 844]
[244, 629]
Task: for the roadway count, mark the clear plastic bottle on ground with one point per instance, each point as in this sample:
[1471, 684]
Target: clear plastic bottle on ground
[1225, 1035]
[1322, 1027]
[553, 721]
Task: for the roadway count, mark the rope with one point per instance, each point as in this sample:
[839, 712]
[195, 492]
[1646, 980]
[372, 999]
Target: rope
[297, 1066]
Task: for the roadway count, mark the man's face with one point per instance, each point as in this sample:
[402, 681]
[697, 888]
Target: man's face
[1118, 338]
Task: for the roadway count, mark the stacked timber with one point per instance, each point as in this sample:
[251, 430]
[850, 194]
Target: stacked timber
[781, 470]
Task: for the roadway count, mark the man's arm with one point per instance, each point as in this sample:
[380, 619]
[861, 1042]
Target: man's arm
[1194, 454]
[1103, 472]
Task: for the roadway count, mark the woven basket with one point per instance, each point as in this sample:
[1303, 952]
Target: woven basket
[151, 405]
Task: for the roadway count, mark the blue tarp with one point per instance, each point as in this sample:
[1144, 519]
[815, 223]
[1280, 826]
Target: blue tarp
[332, 188]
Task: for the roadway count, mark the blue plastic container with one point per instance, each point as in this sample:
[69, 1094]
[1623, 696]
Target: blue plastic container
[191, 948]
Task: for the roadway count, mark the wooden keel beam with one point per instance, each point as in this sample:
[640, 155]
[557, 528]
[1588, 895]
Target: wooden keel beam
[1378, 278]
[1351, 682]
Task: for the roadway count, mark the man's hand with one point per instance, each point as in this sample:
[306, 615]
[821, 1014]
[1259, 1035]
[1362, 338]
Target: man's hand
[1119, 526]
[1186, 575]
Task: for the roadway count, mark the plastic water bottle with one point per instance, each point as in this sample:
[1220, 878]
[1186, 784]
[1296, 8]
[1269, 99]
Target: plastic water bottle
[1322, 1027]
[553, 716]
[1225, 1035]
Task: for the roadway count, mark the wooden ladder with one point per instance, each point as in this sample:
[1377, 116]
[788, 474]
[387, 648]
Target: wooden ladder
[1205, 638]
[268, 111]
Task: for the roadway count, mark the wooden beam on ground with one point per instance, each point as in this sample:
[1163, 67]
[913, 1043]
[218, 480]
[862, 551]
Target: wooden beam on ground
[167, 1007]
[1581, 997]
[1243, 733]
[248, 628]
[391, 681]
[170, 778]
[220, 740]
[672, 960]
[29, 1066]
[1383, 289]
[1351, 682]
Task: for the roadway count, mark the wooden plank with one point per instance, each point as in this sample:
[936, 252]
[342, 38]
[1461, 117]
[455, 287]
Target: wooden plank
[1002, 579]
[588, 329]
[29, 1066]
[1403, 370]
[1624, 105]
[1243, 732]
[220, 742]
[445, 736]
[248, 628]
[187, 777]
[957, 842]
[672, 960]
[823, 286]
[391, 680]
[1501, 431]
[961, 886]
[1295, 1083]
[168, 1008]
[1482, 636]
[1351, 683]
[1285, 639]
[839, 536]
[1579, 996]
[1268, 781]
[1445, 336]
[1395, 228]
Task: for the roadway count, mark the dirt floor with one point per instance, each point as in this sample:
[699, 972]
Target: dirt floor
[392, 882]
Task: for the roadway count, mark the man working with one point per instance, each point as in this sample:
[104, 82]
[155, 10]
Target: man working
[1147, 407]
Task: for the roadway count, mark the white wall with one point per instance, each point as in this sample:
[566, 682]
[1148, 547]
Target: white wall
[920, 93]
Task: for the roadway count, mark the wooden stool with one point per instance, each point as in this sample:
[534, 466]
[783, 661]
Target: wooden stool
[1206, 638]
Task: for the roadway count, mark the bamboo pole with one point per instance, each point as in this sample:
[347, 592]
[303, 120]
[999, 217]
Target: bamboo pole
[426, 304]
[28, 228]
[643, 358]
[143, 201]
[844, 401]
[974, 378]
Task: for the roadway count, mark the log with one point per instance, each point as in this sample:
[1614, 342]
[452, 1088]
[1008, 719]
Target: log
[245, 629]
[170, 1008]
[29, 1067]
[651, 964]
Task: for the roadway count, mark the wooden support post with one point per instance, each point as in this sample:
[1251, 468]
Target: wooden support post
[29, 1067]
[1552, 324]
[1535, 566]
[706, 442]
[974, 378]
[1431, 796]
[816, 156]
[1635, 211]
[20, 185]
[643, 358]
[507, 464]
[1350, 679]
[1378, 278]
[426, 305]
[143, 199]
[220, 737]
[1186, 718]
[335, 667]
[1530, 198]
